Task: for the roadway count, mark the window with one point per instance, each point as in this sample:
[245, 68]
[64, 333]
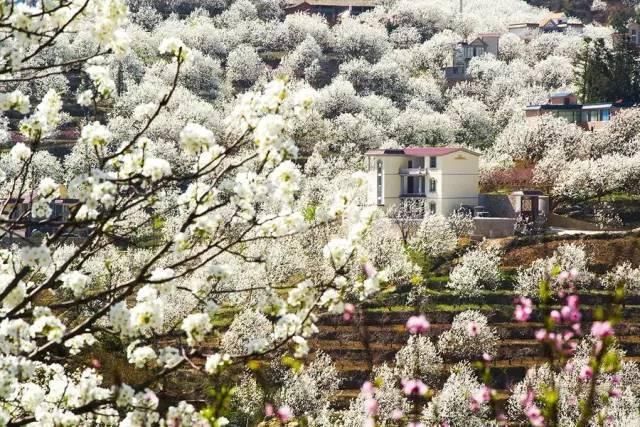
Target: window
[379, 183]
[433, 162]
[432, 208]
[605, 115]
[432, 185]
[410, 164]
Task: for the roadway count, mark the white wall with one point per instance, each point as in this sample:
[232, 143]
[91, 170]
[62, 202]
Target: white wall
[456, 177]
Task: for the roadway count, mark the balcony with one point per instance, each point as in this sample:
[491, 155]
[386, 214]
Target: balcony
[413, 171]
[404, 195]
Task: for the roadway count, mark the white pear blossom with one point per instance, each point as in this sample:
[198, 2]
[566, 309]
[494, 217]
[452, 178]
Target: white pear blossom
[216, 362]
[95, 134]
[175, 47]
[156, 169]
[101, 79]
[20, 152]
[76, 282]
[15, 100]
[195, 138]
[196, 327]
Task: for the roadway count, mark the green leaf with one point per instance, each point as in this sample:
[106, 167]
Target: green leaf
[293, 363]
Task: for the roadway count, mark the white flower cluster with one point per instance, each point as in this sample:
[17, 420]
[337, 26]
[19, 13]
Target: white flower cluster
[436, 236]
[95, 134]
[45, 118]
[102, 81]
[15, 100]
[143, 319]
[470, 337]
[450, 406]
[478, 270]
[625, 275]
[76, 282]
[195, 138]
[174, 47]
[196, 326]
[20, 152]
[94, 193]
[268, 116]
[566, 258]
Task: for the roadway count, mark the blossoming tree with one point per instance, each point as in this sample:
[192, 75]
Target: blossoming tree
[161, 245]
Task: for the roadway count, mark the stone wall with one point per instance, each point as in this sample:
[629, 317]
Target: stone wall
[498, 205]
[493, 227]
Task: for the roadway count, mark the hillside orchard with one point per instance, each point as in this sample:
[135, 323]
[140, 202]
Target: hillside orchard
[218, 215]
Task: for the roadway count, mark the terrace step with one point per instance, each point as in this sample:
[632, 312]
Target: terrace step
[397, 333]
[445, 314]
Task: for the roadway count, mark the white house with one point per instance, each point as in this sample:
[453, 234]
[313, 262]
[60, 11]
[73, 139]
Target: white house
[445, 178]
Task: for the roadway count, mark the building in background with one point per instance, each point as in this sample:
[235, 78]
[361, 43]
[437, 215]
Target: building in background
[566, 105]
[553, 23]
[442, 178]
[633, 33]
[464, 52]
[332, 10]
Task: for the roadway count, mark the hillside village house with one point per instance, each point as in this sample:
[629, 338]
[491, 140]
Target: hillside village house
[565, 104]
[553, 23]
[633, 33]
[330, 9]
[464, 52]
[444, 178]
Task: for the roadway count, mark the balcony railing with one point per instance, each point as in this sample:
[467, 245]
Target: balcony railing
[410, 195]
[413, 171]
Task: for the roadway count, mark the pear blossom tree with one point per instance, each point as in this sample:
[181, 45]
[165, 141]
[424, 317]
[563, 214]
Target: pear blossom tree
[238, 190]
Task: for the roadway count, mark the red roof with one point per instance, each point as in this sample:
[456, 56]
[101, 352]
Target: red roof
[419, 151]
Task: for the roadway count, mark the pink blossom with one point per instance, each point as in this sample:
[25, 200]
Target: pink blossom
[473, 329]
[413, 387]
[601, 329]
[555, 316]
[586, 373]
[523, 310]
[418, 324]
[535, 416]
[367, 389]
[371, 407]
[573, 274]
[573, 301]
[562, 277]
[479, 397]
[396, 414]
[615, 392]
[268, 410]
[349, 310]
[541, 334]
[487, 357]
[527, 399]
[369, 270]
[284, 414]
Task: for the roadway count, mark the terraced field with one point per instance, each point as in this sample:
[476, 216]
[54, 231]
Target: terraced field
[378, 331]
